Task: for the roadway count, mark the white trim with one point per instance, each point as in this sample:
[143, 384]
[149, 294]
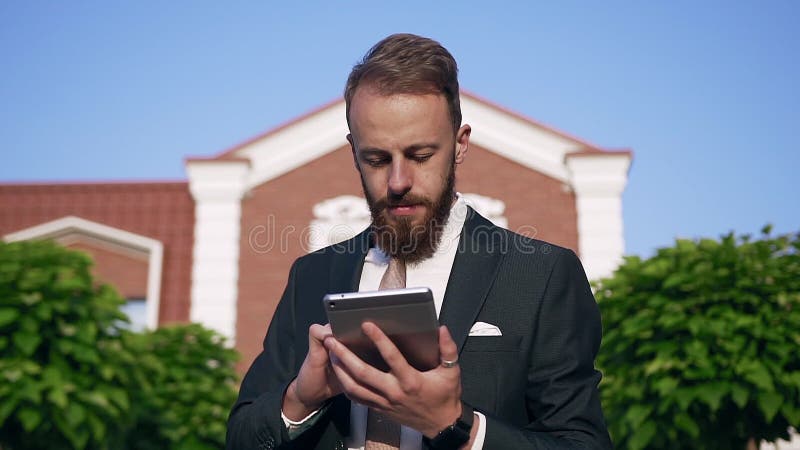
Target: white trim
[296, 145]
[337, 219]
[65, 227]
[520, 141]
[490, 208]
[500, 132]
[598, 182]
[217, 188]
[68, 240]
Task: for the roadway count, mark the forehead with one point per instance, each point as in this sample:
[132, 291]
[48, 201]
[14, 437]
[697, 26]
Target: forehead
[398, 117]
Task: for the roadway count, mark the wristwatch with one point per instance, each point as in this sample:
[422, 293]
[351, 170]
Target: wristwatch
[457, 434]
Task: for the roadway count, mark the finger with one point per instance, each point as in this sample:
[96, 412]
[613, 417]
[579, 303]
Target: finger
[448, 351]
[362, 372]
[391, 354]
[354, 390]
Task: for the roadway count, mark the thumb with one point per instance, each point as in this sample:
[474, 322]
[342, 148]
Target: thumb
[316, 336]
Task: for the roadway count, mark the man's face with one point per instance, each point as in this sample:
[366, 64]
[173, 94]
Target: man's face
[405, 150]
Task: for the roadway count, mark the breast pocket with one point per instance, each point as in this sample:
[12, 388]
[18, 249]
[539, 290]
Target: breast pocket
[485, 363]
[500, 344]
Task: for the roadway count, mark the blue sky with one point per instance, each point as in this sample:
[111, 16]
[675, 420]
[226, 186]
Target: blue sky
[705, 93]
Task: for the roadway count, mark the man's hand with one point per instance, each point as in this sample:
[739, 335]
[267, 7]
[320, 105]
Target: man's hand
[315, 382]
[426, 401]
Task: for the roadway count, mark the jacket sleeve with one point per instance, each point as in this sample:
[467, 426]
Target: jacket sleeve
[561, 396]
[255, 420]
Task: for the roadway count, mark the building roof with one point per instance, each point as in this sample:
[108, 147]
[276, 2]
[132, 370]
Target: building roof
[163, 211]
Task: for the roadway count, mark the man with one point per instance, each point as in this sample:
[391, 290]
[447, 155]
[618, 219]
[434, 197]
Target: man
[520, 327]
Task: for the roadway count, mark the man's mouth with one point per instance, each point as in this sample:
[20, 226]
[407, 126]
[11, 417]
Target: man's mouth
[403, 210]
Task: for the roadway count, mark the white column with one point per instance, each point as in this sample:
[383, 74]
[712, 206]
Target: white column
[598, 181]
[217, 187]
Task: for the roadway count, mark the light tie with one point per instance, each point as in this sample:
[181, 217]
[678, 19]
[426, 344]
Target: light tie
[382, 432]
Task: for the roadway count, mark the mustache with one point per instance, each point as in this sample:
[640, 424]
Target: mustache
[406, 200]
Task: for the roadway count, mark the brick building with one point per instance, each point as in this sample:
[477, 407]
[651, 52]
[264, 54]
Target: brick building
[217, 248]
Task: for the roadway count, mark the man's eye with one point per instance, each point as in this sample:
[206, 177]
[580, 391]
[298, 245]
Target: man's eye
[376, 162]
[422, 158]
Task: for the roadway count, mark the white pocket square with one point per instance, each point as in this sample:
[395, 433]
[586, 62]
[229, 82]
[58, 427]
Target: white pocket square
[484, 329]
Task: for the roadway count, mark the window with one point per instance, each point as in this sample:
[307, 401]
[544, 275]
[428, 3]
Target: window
[136, 310]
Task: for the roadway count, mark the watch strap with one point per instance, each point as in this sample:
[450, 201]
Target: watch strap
[455, 435]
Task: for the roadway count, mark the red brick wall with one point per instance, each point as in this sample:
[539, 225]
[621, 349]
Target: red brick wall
[532, 200]
[288, 199]
[126, 273]
[162, 211]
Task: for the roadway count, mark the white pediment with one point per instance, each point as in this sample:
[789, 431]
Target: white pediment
[521, 140]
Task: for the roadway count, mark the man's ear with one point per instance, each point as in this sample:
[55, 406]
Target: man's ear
[462, 143]
[353, 150]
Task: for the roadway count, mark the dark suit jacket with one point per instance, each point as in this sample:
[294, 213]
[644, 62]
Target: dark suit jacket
[536, 384]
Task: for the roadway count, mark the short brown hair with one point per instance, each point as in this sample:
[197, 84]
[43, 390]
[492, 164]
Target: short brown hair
[408, 64]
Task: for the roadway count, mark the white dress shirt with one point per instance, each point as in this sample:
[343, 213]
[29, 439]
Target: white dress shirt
[432, 273]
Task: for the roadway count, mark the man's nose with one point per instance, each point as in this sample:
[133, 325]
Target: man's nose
[400, 178]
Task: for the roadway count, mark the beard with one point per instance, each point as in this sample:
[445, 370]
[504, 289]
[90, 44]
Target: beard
[401, 238]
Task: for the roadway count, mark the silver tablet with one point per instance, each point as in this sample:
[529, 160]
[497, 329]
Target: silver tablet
[406, 316]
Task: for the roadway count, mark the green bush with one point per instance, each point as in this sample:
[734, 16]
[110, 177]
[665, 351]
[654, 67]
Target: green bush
[63, 383]
[701, 342]
[193, 386]
[72, 377]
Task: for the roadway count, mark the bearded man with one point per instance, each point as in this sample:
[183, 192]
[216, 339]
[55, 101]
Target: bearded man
[529, 382]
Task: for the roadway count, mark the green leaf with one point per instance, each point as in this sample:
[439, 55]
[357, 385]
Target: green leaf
[8, 315]
[119, 397]
[666, 385]
[98, 428]
[642, 436]
[26, 342]
[30, 418]
[637, 414]
[7, 407]
[685, 423]
[107, 371]
[58, 397]
[757, 374]
[76, 414]
[97, 399]
[791, 413]
[711, 394]
[769, 403]
[684, 397]
[80, 437]
[739, 395]
[31, 298]
[31, 391]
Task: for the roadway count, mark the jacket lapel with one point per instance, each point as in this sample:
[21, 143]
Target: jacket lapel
[473, 273]
[347, 261]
